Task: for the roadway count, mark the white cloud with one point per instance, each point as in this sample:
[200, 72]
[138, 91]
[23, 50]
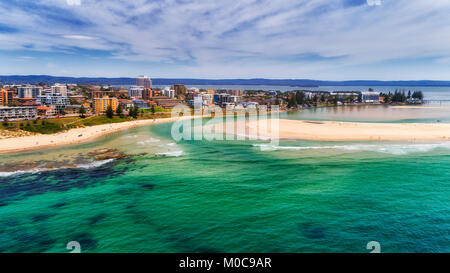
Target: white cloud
[73, 2]
[78, 37]
[285, 38]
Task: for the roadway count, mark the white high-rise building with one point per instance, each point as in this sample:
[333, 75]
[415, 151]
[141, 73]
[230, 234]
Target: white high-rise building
[135, 91]
[144, 81]
[29, 91]
[168, 92]
[59, 89]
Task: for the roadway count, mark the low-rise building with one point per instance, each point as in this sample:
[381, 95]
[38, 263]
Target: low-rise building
[78, 99]
[18, 112]
[126, 104]
[45, 111]
[141, 104]
[370, 97]
[166, 102]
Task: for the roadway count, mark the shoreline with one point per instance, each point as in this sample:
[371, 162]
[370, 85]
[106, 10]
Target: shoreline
[288, 129]
[357, 131]
[73, 136]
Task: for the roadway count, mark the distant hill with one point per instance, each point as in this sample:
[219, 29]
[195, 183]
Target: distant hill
[35, 79]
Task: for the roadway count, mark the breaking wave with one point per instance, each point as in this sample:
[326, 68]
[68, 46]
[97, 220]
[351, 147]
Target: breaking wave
[91, 165]
[170, 154]
[150, 140]
[395, 149]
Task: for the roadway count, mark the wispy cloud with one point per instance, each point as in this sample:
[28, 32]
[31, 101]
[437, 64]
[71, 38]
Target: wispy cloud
[78, 37]
[248, 38]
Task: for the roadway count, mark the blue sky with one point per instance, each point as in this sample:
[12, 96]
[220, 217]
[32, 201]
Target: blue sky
[316, 39]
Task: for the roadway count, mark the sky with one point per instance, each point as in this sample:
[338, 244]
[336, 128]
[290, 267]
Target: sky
[223, 39]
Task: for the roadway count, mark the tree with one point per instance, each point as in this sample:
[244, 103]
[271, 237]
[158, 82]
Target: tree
[82, 112]
[119, 111]
[292, 102]
[335, 100]
[153, 110]
[417, 95]
[322, 98]
[109, 112]
[134, 111]
[5, 122]
[300, 97]
[409, 94]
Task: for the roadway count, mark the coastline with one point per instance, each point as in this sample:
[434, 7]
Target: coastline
[73, 136]
[356, 131]
[288, 129]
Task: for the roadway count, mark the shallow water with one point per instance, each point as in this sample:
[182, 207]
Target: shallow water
[374, 113]
[235, 196]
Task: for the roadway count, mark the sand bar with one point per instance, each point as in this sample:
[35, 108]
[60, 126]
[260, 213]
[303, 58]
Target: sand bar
[354, 131]
[288, 129]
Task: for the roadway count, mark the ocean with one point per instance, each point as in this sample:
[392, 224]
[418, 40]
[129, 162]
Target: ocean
[232, 196]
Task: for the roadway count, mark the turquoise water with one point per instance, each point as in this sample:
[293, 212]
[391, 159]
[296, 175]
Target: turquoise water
[229, 197]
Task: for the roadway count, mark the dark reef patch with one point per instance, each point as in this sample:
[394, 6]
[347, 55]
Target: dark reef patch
[59, 205]
[147, 186]
[18, 187]
[97, 218]
[312, 231]
[41, 217]
[86, 240]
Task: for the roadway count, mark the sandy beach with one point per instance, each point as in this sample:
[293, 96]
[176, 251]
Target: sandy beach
[73, 136]
[288, 129]
[353, 131]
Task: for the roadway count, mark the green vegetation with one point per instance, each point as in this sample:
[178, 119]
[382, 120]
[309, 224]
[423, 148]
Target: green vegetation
[400, 96]
[110, 112]
[417, 95]
[119, 111]
[82, 112]
[134, 112]
[45, 127]
[157, 109]
[292, 102]
[153, 109]
[99, 120]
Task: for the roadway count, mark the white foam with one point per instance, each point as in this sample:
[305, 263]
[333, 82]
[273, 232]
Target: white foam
[6, 174]
[170, 154]
[395, 149]
[94, 164]
[150, 140]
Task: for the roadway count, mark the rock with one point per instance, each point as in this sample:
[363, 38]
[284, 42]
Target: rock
[106, 153]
